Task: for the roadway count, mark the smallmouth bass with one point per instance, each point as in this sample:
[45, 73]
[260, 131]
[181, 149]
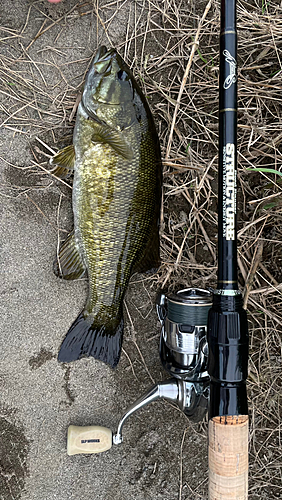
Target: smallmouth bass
[116, 203]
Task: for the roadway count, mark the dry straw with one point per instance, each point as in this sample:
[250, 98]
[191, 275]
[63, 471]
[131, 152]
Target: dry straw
[172, 46]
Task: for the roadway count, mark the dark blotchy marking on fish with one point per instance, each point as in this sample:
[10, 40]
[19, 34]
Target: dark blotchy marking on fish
[116, 161]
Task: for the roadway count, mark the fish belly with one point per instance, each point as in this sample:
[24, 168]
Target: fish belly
[116, 207]
[103, 191]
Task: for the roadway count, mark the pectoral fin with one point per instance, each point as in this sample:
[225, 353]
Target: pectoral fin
[106, 135]
[69, 265]
[64, 162]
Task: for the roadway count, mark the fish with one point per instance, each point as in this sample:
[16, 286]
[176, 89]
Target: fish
[115, 159]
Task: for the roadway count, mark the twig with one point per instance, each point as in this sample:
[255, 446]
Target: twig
[181, 465]
[193, 50]
[135, 343]
[75, 106]
[267, 312]
[255, 263]
[46, 146]
[50, 173]
[130, 362]
[58, 237]
[42, 213]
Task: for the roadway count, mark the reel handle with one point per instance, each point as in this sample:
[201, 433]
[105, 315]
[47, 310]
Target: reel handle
[91, 439]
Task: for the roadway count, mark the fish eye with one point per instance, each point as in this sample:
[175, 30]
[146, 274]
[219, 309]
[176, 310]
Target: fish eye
[122, 75]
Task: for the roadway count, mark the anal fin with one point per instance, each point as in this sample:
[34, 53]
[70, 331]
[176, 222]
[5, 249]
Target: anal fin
[63, 162]
[69, 265]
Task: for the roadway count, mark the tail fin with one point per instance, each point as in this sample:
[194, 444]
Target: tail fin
[88, 337]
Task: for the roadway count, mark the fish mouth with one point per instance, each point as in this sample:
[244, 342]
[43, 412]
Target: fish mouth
[102, 61]
[101, 80]
[101, 65]
[100, 53]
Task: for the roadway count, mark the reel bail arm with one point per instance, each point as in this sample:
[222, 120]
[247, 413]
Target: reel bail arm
[171, 390]
[95, 439]
[183, 352]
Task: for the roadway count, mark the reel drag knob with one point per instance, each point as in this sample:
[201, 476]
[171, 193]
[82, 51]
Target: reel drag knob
[91, 439]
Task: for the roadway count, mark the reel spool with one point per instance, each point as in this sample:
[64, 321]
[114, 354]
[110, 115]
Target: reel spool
[183, 343]
[183, 352]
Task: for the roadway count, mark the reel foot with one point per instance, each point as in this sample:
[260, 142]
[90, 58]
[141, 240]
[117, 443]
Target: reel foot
[91, 439]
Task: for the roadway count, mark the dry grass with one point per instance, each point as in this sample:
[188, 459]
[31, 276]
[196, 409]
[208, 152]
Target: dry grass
[161, 46]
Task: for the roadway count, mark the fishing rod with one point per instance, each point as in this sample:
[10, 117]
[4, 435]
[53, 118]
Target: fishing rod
[204, 334]
[227, 322]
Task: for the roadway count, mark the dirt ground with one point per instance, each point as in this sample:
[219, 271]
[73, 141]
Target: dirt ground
[45, 50]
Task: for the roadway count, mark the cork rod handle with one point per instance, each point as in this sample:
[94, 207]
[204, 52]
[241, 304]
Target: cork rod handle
[228, 458]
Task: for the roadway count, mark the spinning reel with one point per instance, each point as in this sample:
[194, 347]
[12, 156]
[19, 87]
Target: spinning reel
[184, 355]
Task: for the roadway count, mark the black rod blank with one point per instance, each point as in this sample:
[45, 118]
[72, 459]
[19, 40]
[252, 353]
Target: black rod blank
[227, 167]
[227, 322]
